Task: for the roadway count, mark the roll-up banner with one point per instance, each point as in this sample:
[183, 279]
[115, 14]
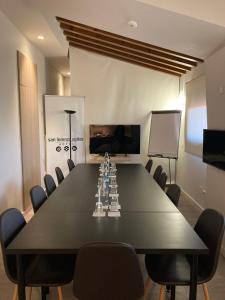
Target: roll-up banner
[58, 131]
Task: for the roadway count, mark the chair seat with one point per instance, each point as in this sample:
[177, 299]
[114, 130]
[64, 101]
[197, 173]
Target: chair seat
[49, 270]
[174, 269]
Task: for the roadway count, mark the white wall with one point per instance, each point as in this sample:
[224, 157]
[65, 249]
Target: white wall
[119, 92]
[66, 85]
[54, 80]
[10, 151]
[215, 70]
[194, 175]
[191, 175]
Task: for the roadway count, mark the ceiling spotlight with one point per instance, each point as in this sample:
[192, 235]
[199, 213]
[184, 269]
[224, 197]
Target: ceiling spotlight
[41, 37]
[133, 24]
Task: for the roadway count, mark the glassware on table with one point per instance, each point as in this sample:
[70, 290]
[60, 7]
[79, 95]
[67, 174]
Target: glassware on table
[113, 189]
[113, 165]
[106, 157]
[99, 207]
[114, 204]
[105, 192]
[112, 180]
[100, 185]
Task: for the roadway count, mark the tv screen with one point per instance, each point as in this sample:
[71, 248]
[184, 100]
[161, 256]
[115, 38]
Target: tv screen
[214, 148]
[115, 139]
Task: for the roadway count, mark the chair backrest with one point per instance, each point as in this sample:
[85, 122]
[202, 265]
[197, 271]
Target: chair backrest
[149, 164]
[162, 180]
[210, 228]
[59, 174]
[173, 192]
[49, 184]
[108, 271]
[38, 197]
[70, 164]
[157, 173]
[11, 223]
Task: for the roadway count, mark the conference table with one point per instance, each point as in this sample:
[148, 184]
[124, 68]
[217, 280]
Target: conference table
[149, 221]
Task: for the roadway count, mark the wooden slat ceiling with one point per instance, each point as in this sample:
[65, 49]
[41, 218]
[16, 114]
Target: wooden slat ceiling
[129, 50]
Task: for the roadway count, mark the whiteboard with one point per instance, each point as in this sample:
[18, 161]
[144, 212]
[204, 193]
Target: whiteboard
[164, 133]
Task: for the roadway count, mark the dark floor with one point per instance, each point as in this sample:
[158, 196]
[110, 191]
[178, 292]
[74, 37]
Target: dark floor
[216, 286]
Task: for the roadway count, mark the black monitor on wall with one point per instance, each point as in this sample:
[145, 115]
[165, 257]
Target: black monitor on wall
[114, 139]
[214, 148]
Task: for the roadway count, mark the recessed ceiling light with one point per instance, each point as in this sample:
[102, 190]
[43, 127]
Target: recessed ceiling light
[41, 37]
[133, 24]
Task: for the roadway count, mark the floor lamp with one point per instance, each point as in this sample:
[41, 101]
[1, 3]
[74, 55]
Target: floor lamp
[70, 112]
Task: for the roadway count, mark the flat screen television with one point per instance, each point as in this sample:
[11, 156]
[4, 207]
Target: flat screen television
[214, 148]
[115, 139]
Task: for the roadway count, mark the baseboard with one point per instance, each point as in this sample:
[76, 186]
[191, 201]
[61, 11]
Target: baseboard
[192, 199]
[27, 210]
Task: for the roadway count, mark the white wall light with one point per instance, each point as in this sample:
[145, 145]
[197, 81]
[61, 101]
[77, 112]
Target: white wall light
[41, 37]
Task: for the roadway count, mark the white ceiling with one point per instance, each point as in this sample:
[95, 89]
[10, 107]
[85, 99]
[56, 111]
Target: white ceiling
[158, 26]
[205, 10]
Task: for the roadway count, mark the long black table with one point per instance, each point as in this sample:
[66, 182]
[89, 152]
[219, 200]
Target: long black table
[149, 221]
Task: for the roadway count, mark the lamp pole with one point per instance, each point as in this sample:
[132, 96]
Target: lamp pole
[70, 112]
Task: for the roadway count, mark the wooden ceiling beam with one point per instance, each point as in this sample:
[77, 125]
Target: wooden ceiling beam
[123, 58]
[90, 29]
[154, 60]
[125, 55]
[137, 45]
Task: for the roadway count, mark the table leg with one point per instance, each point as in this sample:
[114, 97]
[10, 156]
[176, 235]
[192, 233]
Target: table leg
[193, 278]
[173, 292]
[20, 274]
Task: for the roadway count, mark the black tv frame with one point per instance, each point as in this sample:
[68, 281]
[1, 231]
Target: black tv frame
[115, 153]
[217, 160]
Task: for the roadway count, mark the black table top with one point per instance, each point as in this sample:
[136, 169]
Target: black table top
[149, 221]
[137, 190]
[147, 232]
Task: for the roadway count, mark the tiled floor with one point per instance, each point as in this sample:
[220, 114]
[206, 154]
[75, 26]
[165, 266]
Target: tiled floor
[216, 286]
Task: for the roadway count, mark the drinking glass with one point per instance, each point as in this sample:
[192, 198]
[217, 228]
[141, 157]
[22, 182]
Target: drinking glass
[99, 207]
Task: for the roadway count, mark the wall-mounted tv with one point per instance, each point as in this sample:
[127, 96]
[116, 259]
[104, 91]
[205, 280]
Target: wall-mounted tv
[214, 148]
[115, 139]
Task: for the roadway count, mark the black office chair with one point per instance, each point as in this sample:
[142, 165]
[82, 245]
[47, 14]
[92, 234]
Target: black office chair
[39, 270]
[107, 271]
[174, 270]
[157, 173]
[49, 184]
[59, 174]
[70, 164]
[148, 166]
[173, 192]
[162, 180]
[38, 197]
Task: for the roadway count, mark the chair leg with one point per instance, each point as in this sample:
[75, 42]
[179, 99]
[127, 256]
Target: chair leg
[60, 295]
[161, 293]
[147, 288]
[173, 292]
[43, 293]
[205, 290]
[15, 293]
[29, 293]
